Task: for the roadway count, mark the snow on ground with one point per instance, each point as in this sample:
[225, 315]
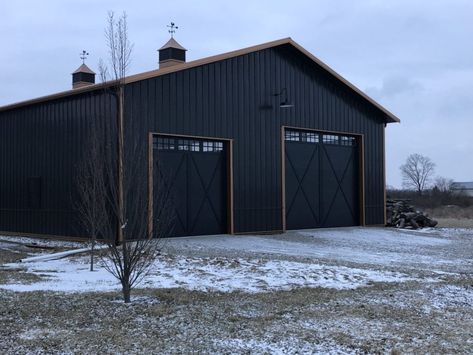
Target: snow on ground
[343, 258]
[52, 243]
[431, 314]
[284, 346]
[448, 296]
[205, 274]
[378, 246]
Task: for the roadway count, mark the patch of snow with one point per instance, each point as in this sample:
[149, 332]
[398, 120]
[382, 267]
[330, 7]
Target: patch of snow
[448, 296]
[138, 300]
[257, 275]
[204, 274]
[376, 236]
[379, 246]
[289, 345]
[43, 242]
[454, 232]
[35, 333]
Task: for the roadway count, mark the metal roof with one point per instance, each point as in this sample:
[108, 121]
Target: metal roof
[172, 43]
[84, 69]
[390, 117]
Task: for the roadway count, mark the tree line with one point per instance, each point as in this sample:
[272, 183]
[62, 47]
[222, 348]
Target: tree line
[421, 185]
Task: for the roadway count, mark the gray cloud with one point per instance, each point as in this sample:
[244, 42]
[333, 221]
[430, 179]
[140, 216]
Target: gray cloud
[394, 85]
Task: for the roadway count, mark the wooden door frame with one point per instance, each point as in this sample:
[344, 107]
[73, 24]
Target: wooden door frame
[360, 139]
[152, 157]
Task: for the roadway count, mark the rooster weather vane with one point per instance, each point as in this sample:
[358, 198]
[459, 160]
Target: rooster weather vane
[83, 56]
[172, 29]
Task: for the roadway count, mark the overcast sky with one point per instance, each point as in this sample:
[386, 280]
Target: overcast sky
[415, 57]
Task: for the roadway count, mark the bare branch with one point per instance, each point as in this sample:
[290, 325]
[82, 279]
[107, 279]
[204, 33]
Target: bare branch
[417, 172]
[114, 183]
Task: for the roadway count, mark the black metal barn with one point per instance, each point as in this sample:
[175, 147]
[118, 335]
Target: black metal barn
[263, 139]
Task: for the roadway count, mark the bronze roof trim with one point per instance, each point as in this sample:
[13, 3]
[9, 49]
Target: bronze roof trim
[207, 60]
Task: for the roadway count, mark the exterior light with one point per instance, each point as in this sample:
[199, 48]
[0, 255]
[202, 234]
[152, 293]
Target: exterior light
[285, 103]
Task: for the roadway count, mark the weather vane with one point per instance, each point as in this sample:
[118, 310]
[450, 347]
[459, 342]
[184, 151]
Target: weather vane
[83, 56]
[172, 29]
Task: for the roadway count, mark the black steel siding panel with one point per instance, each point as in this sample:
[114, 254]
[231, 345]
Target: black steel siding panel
[45, 140]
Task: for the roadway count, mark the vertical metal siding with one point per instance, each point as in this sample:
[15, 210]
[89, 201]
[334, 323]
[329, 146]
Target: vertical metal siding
[45, 140]
[233, 98]
[230, 99]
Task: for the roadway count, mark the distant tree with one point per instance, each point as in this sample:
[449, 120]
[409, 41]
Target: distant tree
[443, 184]
[417, 172]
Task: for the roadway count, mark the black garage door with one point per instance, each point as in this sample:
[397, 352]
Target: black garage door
[194, 172]
[322, 180]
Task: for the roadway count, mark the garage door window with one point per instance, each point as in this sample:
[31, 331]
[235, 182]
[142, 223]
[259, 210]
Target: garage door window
[349, 141]
[314, 137]
[292, 136]
[193, 145]
[212, 146]
[163, 144]
[297, 136]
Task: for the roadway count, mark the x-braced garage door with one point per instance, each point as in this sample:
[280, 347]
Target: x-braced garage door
[322, 180]
[194, 172]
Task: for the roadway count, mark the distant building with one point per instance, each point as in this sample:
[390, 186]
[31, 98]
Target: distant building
[466, 187]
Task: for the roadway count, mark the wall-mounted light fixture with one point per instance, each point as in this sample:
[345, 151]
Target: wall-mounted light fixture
[284, 102]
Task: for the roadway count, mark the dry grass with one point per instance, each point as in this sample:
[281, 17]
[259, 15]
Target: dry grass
[455, 223]
[452, 216]
[451, 212]
[379, 319]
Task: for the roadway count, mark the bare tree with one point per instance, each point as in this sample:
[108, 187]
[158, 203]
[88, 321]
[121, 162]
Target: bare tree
[119, 50]
[122, 180]
[443, 184]
[90, 183]
[131, 258]
[417, 172]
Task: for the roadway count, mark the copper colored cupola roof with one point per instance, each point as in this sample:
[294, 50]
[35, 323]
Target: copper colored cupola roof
[172, 43]
[84, 69]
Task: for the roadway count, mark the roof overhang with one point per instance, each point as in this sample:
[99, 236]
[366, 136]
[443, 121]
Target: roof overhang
[390, 117]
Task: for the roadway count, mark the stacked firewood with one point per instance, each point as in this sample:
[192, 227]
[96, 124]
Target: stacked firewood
[400, 214]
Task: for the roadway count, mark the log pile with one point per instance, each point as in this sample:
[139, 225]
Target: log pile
[400, 214]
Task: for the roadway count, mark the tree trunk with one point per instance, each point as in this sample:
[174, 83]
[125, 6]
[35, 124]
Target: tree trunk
[121, 204]
[92, 254]
[126, 289]
[126, 273]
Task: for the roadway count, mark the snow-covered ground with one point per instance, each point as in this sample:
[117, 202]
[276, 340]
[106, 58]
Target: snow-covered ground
[244, 263]
[40, 242]
[204, 274]
[337, 291]
[428, 249]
